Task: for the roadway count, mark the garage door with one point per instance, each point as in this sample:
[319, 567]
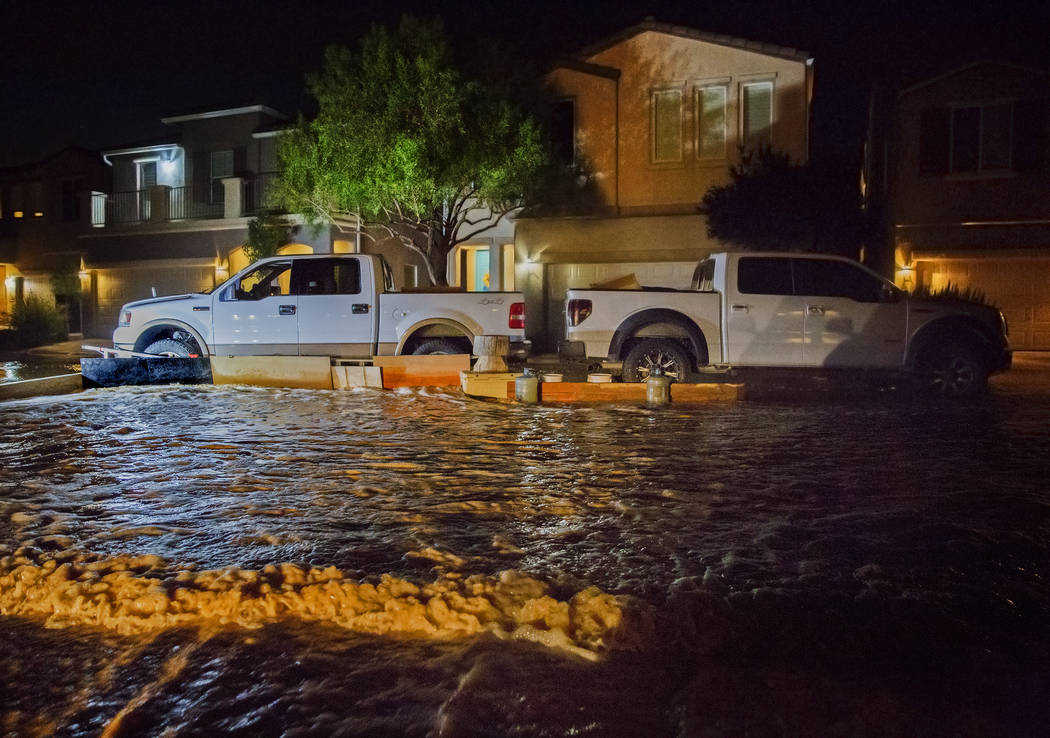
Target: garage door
[561, 277]
[1019, 287]
[119, 286]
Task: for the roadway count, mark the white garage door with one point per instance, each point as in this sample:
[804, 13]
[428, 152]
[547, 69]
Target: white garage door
[562, 277]
[1019, 287]
[119, 286]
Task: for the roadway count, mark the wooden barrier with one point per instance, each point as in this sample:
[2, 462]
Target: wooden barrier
[62, 384]
[501, 386]
[422, 371]
[310, 372]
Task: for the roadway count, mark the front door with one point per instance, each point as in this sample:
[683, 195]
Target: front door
[258, 314]
[763, 316]
[336, 314]
[853, 318]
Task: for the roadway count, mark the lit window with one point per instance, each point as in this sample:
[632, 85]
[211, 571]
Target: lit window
[756, 123]
[19, 214]
[711, 122]
[667, 125]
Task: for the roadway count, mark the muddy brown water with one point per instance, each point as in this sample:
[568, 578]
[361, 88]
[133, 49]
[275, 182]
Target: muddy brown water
[190, 560]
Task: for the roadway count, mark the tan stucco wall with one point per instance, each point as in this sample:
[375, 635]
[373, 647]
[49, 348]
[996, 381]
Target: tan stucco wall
[653, 60]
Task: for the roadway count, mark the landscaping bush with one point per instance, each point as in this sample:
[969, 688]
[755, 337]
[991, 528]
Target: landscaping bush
[36, 321]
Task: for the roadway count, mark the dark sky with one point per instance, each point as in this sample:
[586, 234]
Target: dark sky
[101, 74]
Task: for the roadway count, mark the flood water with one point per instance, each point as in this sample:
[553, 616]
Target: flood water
[190, 560]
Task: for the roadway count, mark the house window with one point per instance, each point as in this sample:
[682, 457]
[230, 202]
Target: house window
[756, 115]
[980, 138]
[988, 139]
[711, 122]
[71, 198]
[563, 131]
[666, 125]
[221, 167]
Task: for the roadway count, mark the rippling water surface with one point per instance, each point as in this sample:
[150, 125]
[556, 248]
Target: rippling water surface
[451, 567]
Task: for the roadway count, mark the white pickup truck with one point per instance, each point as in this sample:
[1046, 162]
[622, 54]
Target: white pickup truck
[341, 306]
[788, 310]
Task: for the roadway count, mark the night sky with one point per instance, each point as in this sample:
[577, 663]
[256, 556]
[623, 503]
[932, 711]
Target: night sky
[101, 74]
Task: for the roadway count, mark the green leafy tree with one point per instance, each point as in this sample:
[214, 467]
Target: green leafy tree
[772, 204]
[409, 144]
[266, 234]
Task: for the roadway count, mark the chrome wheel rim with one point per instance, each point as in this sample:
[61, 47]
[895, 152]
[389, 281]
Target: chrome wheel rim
[665, 361]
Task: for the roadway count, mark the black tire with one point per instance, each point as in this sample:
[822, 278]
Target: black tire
[652, 352]
[168, 347]
[955, 370]
[439, 346]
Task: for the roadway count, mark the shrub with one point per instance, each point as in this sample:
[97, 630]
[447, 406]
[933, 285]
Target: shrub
[953, 293]
[37, 321]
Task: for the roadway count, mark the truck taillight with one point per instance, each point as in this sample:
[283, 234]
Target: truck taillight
[126, 320]
[517, 316]
[578, 311]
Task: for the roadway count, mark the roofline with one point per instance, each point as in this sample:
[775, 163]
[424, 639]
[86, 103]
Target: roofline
[650, 24]
[596, 70]
[153, 148]
[225, 113]
[966, 67]
[270, 133]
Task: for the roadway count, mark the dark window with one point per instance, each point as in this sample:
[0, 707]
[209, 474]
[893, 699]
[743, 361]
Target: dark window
[328, 277]
[757, 275]
[563, 131]
[966, 139]
[826, 278]
[71, 198]
[982, 138]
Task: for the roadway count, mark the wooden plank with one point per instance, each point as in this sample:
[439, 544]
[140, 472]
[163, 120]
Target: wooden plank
[423, 371]
[632, 392]
[311, 372]
[58, 385]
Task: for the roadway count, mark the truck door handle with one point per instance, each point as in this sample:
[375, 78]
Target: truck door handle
[359, 308]
[738, 308]
[286, 310]
[815, 309]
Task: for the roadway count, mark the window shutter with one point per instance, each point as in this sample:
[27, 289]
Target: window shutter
[240, 161]
[1031, 120]
[201, 176]
[934, 141]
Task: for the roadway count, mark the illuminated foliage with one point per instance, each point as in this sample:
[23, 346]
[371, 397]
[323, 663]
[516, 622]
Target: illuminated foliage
[409, 142]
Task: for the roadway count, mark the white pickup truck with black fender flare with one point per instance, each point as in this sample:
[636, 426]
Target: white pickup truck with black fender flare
[338, 305]
[799, 311]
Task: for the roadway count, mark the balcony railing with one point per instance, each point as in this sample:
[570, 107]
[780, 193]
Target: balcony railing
[232, 198]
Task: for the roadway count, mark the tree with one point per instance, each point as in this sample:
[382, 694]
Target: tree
[773, 204]
[266, 234]
[407, 144]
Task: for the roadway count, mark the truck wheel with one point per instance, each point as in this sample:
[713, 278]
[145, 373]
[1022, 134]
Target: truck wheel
[650, 353]
[168, 347]
[954, 370]
[438, 346]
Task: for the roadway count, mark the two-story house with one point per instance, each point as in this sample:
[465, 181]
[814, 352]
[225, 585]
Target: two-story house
[177, 215]
[655, 116]
[42, 208]
[957, 169]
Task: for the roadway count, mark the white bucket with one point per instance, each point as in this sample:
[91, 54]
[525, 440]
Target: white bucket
[552, 377]
[599, 378]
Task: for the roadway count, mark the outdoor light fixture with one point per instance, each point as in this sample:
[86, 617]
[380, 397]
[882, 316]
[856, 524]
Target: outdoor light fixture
[84, 274]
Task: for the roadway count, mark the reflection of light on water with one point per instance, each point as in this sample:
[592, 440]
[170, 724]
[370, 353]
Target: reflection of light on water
[141, 595]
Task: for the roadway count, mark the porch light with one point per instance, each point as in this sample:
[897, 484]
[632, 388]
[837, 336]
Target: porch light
[84, 274]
